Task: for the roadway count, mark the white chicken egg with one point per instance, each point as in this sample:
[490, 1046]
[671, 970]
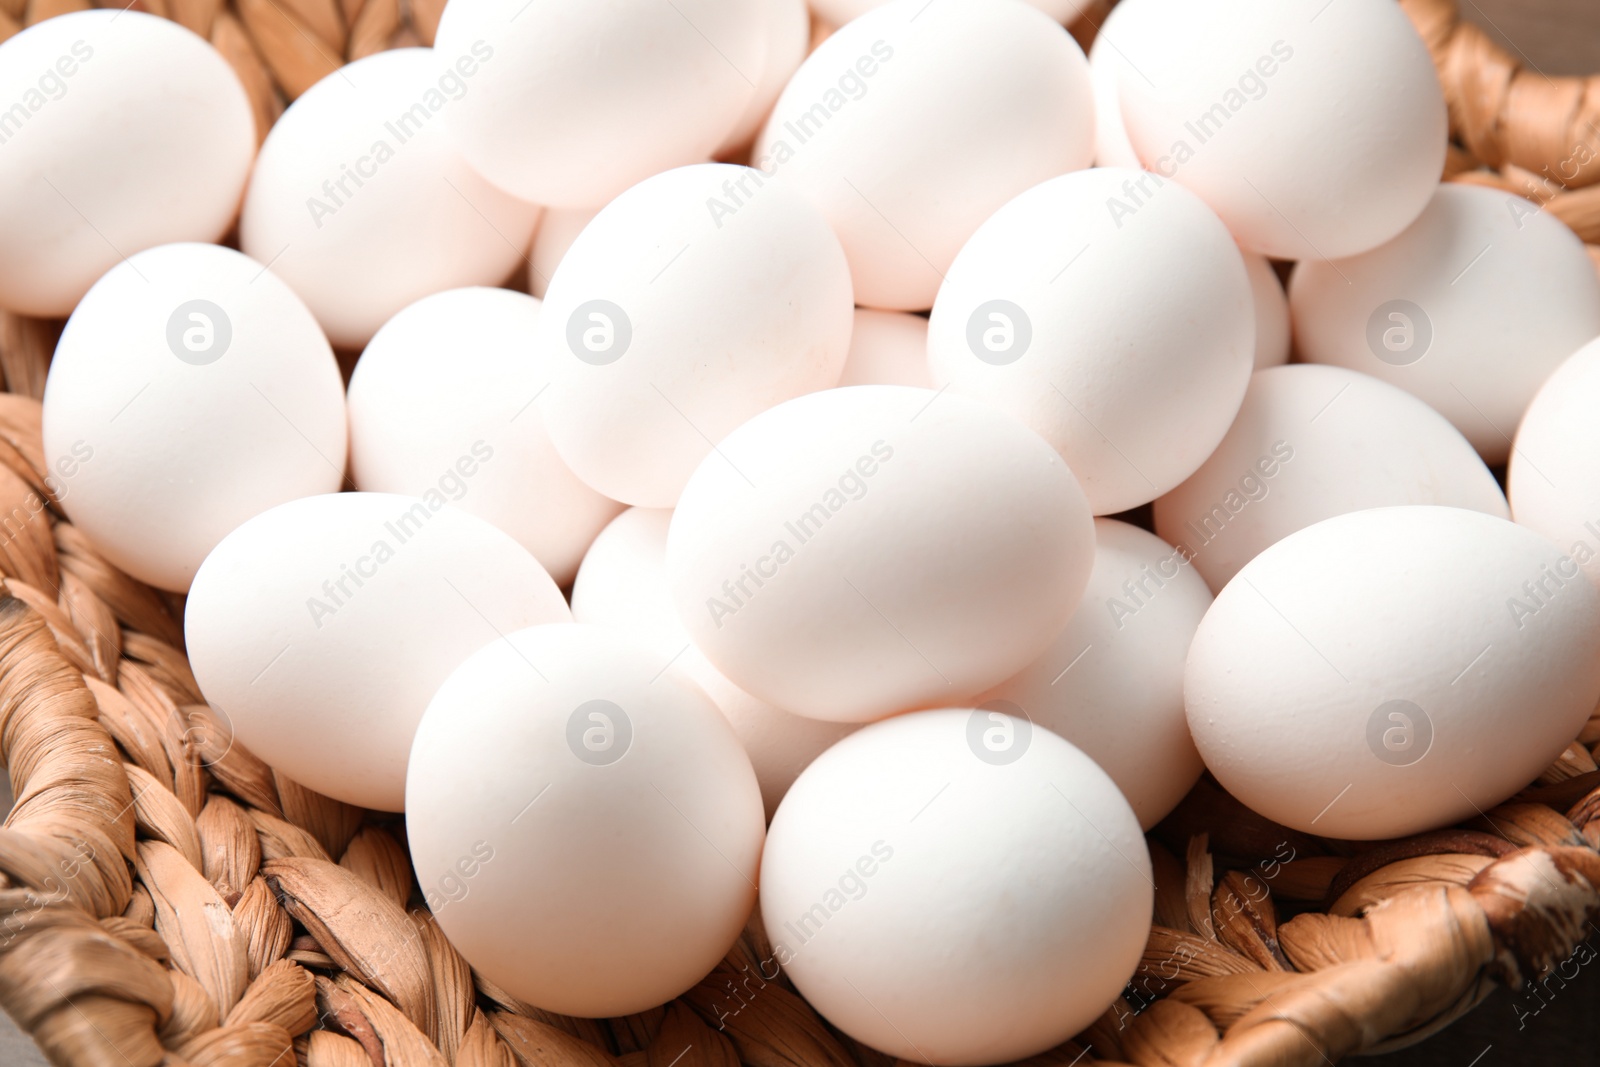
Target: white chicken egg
[363, 205]
[1312, 442]
[888, 348]
[623, 584]
[122, 131]
[1553, 480]
[788, 31]
[839, 12]
[1050, 312]
[1111, 145]
[558, 228]
[1471, 309]
[1392, 671]
[1315, 130]
[911, 125]
[956, 887]
[192, 390]
[1112, 680]
[923, 546]
[1272, 312]
[481, 442]
[690, 303]
[320, 629]
[565, 793]
[583, 100]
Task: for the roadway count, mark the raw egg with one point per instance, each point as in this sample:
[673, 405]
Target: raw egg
[956, 887]
[564, 793]
[623, 584]
[1471, 309]
[1122, 334]
[1312, 442]
[923, 546]
[911, 125]
[320, 629]
[481, 443]
[1393, 671]
[690, 303]
[192, 390]
[123, 131]
[363, 205]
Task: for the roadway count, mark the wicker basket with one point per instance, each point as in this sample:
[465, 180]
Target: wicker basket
[166, 898]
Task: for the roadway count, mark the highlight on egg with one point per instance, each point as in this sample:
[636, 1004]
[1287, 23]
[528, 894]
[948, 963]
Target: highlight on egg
[1045, 314]
[336, 617]
[808, 536]
[666, 533]
[623, 585]
[622, 814]
[80, 194]
[1393, 670]
[191, 390]
[1454, 309]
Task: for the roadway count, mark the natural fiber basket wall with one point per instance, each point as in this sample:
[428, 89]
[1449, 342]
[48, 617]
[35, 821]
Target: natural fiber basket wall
[166, 898]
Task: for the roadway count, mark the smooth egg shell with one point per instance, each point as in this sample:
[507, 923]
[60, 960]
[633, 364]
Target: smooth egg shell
[1393, 671]
[582, 101]
[810, 535]
[564, 793]
[893, 127]
[953, 887]
[1112, 680]
[362, 204]
[1471, 309]
[838, 12]
[623, 584]
[480, 442]
[123, 131]
[1049, 313]
[321, 629]
[1553, 480]
[1273, 334]
[1111, 145]
[788, 32]
[1313, 129]
[1312, 442]
[670, 321]
[888, 348]
[558, 228]
[190, 390]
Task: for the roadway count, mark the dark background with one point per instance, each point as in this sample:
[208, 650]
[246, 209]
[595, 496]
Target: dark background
[1561, 1024]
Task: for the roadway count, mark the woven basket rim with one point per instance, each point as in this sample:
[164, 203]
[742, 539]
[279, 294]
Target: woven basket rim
[167, 898]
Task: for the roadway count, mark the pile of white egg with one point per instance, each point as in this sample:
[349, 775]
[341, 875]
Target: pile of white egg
[832, 563]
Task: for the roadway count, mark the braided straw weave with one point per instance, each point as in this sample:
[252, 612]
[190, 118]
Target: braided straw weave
[1515, 128]
[166, 898]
